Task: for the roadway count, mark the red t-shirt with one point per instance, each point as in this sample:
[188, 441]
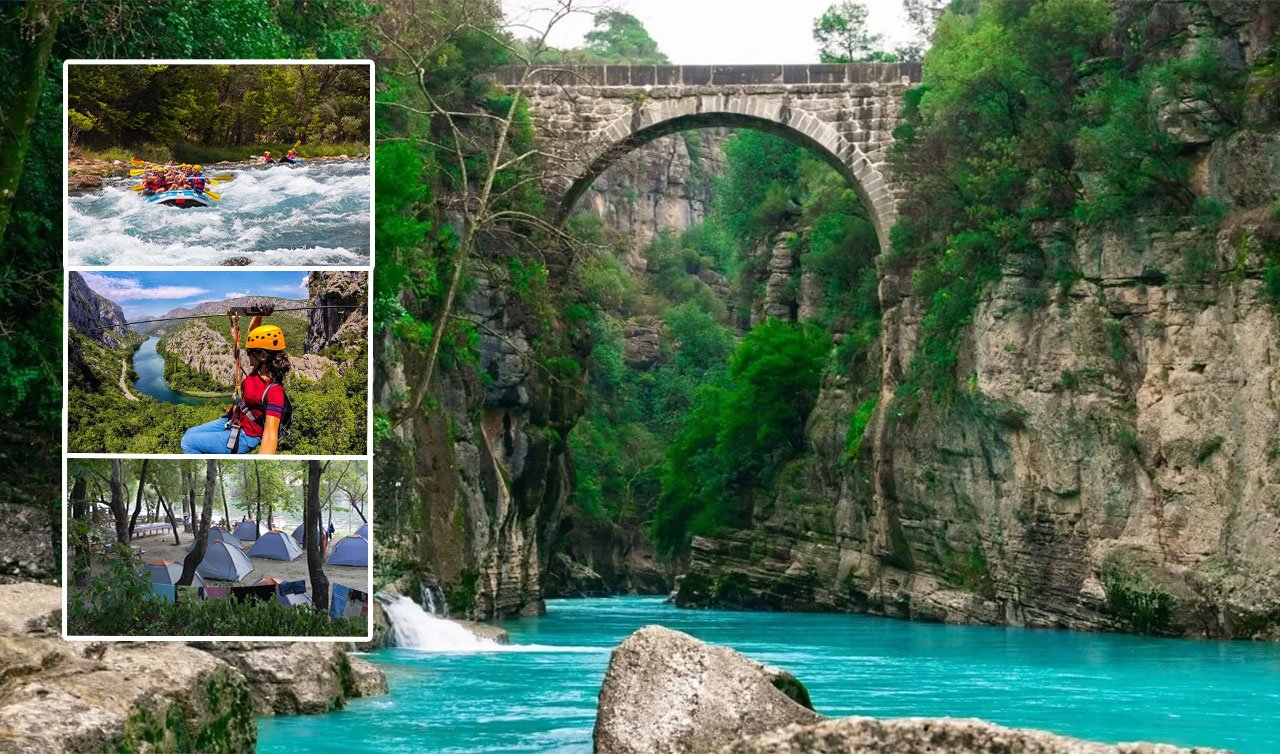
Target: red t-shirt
[264, 398]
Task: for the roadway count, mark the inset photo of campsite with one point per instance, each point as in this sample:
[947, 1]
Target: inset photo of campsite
[218, 548]
[218, 164]
[218, 363]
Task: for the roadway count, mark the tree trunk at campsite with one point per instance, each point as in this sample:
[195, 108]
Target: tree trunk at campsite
[189, 494]
[39, 24]
[119, 509]
[311, 525]
[161, 502]
[192, 561]
[226, 512]
[137, 504]
[257, 521]
[79, 515]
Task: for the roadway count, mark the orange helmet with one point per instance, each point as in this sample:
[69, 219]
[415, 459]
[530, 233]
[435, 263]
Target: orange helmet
[266, 337]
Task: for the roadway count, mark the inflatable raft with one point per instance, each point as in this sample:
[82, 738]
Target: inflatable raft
[184, 198]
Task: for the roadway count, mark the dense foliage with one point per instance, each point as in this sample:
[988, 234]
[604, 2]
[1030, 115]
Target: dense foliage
[170, 107]
[738, 434]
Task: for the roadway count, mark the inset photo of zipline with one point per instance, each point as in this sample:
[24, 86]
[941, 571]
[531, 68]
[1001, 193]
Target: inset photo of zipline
[218, 164]
[218, 548]
[222, 362]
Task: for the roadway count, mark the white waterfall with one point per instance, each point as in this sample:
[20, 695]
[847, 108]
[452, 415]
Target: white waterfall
[414, 628]
[433, 600]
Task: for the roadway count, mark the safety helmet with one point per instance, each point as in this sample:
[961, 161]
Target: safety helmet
[268, 152]
[266, 337]
[196, 168]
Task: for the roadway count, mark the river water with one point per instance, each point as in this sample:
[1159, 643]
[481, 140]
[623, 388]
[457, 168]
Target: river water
[149, 365]
[313, 214]
[540, 694]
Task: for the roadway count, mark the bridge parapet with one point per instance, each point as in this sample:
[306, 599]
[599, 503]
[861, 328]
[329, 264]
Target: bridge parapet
[709, 75]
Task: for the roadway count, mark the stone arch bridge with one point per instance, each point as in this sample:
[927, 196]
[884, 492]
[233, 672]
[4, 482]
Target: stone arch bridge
[588, 116]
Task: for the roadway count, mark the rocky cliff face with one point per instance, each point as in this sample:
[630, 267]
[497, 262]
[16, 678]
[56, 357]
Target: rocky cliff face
[1112, 461]
[473, 487]
[665, 185]
[346, 327]
[476, 492]
[94, 316]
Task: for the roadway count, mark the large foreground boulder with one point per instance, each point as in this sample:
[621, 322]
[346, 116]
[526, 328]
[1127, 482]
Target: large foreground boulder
[864, 735]
[667, 693]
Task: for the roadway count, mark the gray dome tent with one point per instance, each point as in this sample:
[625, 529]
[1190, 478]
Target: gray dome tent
[168, 572]
[350, 551]
[275, 545]
[218, 532]
[224, 562]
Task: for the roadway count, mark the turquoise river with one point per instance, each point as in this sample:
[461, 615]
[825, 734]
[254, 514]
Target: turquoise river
[539, 695]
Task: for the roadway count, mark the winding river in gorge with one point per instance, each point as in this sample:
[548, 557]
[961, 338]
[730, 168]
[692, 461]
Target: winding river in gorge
[149, 365]
[457, 695]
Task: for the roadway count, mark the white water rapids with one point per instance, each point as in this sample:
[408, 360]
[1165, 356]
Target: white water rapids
[413, 628]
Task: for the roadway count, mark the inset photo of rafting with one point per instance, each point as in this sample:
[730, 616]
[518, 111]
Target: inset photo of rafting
[218, 164]
[220, 362]
[218, 548]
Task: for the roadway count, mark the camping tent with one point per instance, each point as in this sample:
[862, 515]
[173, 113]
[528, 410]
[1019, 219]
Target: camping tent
[352, 551]
[247, 531]
[297, 535]
[216, 533]
[168, 572]
[275, 545]
[363, 531]
[224, 561]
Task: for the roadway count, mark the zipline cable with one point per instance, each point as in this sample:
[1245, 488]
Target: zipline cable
[242, 310]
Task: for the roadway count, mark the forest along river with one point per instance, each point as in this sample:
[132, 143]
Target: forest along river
[539, 695]
[311, 214]
[149, 365]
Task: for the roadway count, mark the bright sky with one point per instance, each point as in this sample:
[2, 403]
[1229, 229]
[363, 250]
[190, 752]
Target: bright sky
[700, 32]
[152, 294]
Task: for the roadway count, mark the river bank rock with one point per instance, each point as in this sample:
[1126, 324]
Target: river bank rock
[153, 697]
[665, 692]
[26, 549]
[299, 678]
[64, 696]
[863, 735]
[668, 693]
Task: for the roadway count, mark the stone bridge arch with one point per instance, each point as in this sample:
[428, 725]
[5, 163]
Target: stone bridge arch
[587, 117]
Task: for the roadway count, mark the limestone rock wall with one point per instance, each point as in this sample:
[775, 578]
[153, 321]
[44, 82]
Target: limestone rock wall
[665, 185]
[1112, 461]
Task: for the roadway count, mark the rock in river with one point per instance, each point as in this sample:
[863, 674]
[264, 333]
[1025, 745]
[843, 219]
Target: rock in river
[667, 693]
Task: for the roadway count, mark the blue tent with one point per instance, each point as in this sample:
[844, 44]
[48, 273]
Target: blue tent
[216, 533]
[247, 531]
[224, 562]
[168, 572]
[277, 546]
[363, 531]
[297, 535]
[351, 551]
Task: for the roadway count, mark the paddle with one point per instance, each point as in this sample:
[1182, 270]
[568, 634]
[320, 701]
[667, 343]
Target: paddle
[213, 196]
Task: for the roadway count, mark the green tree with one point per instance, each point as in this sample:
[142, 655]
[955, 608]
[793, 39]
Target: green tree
[619, 37]
[842, 35]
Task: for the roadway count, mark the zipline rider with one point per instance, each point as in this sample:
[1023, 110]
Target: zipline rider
[259, 402]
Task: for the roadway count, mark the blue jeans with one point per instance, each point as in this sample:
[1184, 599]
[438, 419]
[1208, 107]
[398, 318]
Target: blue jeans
[212, 438]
